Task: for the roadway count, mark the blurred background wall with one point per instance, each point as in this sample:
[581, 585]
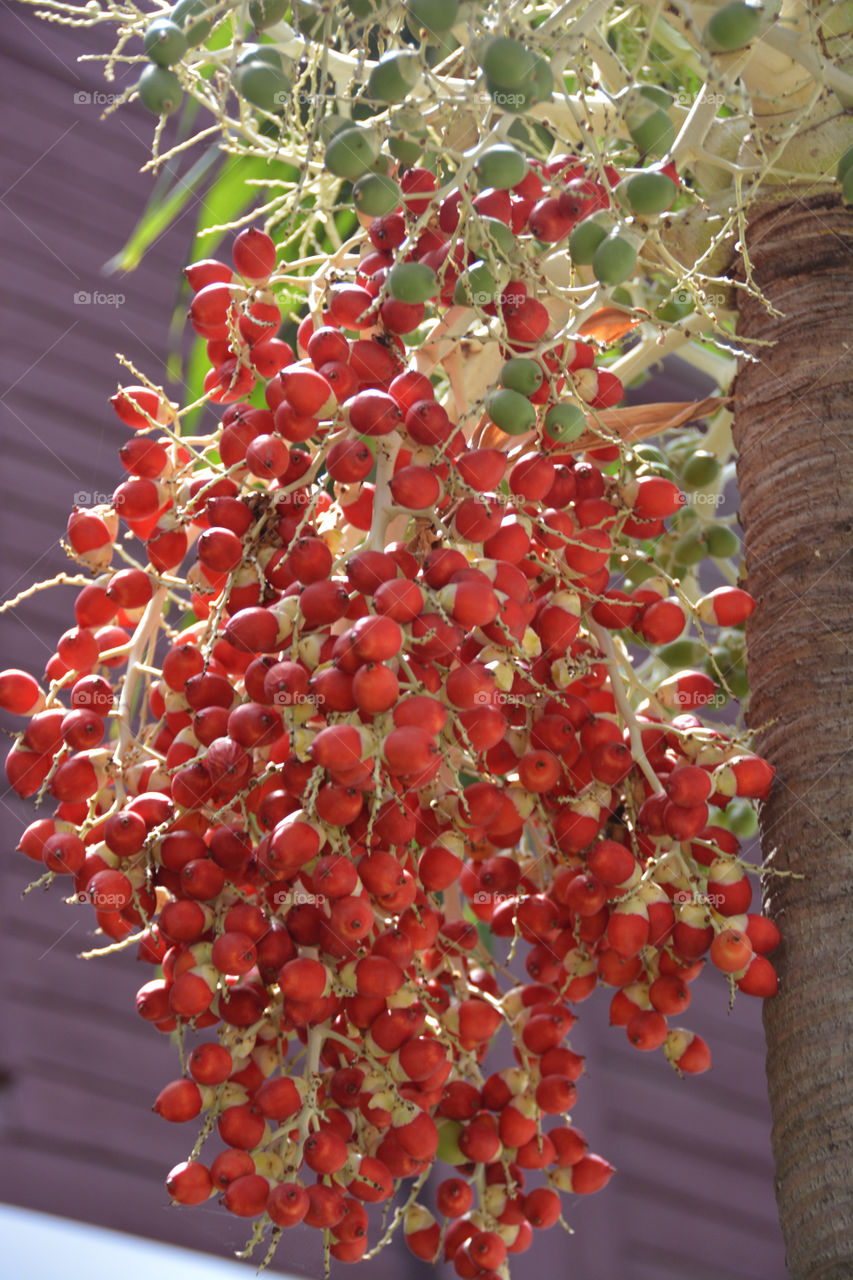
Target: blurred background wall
[78, 1069]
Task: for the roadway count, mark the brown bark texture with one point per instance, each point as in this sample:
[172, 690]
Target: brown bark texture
[794, 435]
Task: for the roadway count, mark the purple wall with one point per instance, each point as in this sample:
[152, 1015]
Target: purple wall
[693, 1195]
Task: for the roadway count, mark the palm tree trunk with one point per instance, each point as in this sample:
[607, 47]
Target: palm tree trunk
[794, 436]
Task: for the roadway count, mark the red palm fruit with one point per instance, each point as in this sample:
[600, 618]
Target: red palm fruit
[669, 994]
[653, 497]
[487, 1250]
[688, 785]
[210, 1063]
[617, 971]
[542, 1207]
[325, 1152]
[725, 607]
[351, 918]
[628, 927]
[378, 976]
[687, 1052]
[684, 823]
[65, 853]
[189, 1182]
[729, 887]
[241, 1126]
[569, 1145]
[611, 862]
[662, 622]
[453, 1197]
[762, 933]
[479, 1140]
[278, 1099]
[304, 979]
[253, 255]
[325, 1206]
[287, 1204]
[731, 951]
[760, 978]
[422, 1233]
[647, 1030]
[179, 1101]
[419, 1138]
[373, 1182]
[438, 868]
[535, 1154]
[693, 932]
[460, 1100]
[247, 1196]
[229, 1165]
[478, 1021]
[590, 1174]
[748, 776]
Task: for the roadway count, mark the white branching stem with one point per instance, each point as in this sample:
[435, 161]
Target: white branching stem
[145, 629]
[626, 711]
[386, 451]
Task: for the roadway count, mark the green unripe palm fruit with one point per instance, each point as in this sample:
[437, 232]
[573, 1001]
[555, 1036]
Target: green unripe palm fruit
[475, 287]
[565, 422]
[394, 76]
[448, 1150]
[351, 152]
[260, 53]
[654, 134]
[648, 453]
[190, 16]
[586, 237]
[307, 20]
[510, 411]
[732, 27]
[522, 375]
[501, 167]
[681, 653]
[847, 187]
[647, 194]
[675, 308]
[431, 16]
[845, 165]
[376, 194]
[722, 542]
[507, 63]
[700, 470]
[690, 548]
[159, 90]
[412, 282]
[492, 238]
[266, 12]
[741, 819]
[165, 42]
[542, 85]
[614, 259]
[263, 85]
